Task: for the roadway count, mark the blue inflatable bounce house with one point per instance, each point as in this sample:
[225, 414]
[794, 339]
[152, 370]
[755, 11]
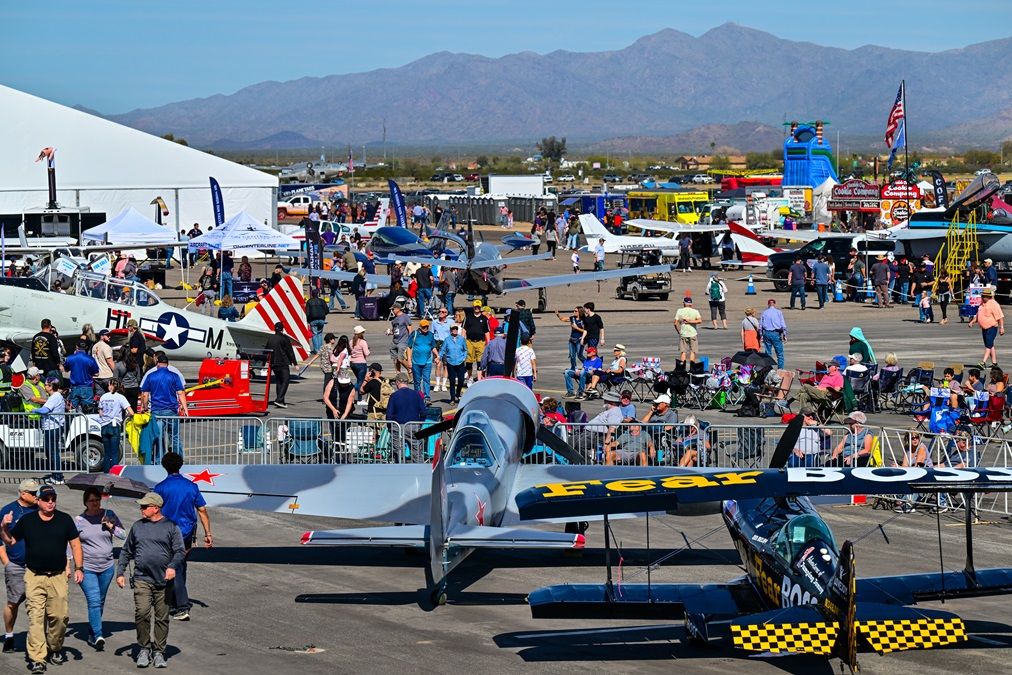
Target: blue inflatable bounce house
[808, 157]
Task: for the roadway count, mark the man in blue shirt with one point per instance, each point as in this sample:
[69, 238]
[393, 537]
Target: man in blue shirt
[774, 329]
[13, 559]
[162, 393]
[421, 349]
[82, 368]
[591, 363]
[453, 353]
[183, 505]
[406, 408]
[821, 272]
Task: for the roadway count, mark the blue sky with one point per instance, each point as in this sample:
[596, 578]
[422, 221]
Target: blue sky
[117, 55]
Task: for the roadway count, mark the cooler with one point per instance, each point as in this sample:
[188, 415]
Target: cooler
[368, 308]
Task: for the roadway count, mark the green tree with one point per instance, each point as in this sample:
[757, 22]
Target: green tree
[171, 137]
[1006, 152]
[757, 160]
[552, 149]
[482, 161]
[720, 162]
[980, 159]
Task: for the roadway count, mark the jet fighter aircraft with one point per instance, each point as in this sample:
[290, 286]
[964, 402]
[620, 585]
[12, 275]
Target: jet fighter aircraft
[800, 593]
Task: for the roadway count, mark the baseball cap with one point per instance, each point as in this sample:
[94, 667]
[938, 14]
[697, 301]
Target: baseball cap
[663, 398]
[278, 327]
[161, 358]
[34, 372]
[611, 397]
[151, 499]
[591, 350]
[687, 300]
[499, 329]
[454, 327]
[82, 344]
[46, 491]
[377, 367]
[401, 377]
[476, 303]
[343, 377]
[103, 332]
[28, 485]
[856, 416]
[521, 303]
[132, 323]
[424, 323]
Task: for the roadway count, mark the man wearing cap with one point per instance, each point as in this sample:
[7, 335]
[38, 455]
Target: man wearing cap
[46, 534]
[453, 353]
[493, 357]
[990, 273]
[155, 546]
[576, 380]
[477, 332]
[661, 414]
[809, 446]
[819, 393]
[421, 351]
[855, 448]
[32, 392]
[164, 396]
[774, 331]
[282, 359]
[82, 369]
[880, 273]
[407, 408]
[372, 388]
[399, 331]
[686, 320]
[135, 340]
[991, 320]
[316, 317]
[184, 505]
[13, 559]
[102, 353]
[46, 350]
[599, 429]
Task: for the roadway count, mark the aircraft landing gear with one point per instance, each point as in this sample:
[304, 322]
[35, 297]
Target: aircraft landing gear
[438, 595]
[577, 527]
[542, 300]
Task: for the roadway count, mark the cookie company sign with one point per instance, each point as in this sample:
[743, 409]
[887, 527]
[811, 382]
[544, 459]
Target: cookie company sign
[854, 195]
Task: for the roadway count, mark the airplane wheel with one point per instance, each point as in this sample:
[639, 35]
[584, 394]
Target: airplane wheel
[438, 597]
[542, 304]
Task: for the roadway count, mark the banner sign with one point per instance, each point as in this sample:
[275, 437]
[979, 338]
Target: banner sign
[217, 204]
[866, 205]
[314, 246]
[900, 189]
[397, 202]
[855, 188]
[938, 188]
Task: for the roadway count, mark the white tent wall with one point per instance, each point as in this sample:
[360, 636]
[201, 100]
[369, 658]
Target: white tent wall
[106, 166]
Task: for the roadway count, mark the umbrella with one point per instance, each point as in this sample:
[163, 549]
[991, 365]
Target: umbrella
[753, 358]
[114, 486]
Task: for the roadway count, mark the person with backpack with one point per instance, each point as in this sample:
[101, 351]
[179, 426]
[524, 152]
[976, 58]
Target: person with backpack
[375, 392]
[716, 290]
[526, 318]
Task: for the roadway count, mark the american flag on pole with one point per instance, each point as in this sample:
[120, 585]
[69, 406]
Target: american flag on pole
[895, 135]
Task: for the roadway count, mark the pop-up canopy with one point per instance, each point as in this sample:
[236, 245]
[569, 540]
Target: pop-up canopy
[243, 231]
[129, 227]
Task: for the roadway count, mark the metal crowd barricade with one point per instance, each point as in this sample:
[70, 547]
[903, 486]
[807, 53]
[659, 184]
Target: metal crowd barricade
[201, 440]
[751, 446]
[49, 443]
[631, 443]
[302, 440]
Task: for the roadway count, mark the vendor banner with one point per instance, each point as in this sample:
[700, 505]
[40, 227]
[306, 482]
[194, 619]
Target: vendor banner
[314, 246]
[397, 201]
[938, 188]
[217, 203]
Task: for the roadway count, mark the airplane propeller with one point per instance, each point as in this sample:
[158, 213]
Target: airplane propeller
[788, 441]
[547, 437]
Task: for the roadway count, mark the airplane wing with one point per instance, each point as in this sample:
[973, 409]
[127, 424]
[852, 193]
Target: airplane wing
[395, 493]
[796, 235]
[649, 492]
[514, 285]
[677, 228]
[909, 589]
[339, 275]
[515, 260]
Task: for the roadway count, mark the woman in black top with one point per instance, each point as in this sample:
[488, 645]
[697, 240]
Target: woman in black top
[943, 291]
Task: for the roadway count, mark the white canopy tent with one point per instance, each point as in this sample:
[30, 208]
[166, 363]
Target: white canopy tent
[108, 167]
[128, 228]
[243, 231]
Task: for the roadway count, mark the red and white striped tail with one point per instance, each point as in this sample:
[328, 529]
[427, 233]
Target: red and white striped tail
[285, 304]
[752, 249]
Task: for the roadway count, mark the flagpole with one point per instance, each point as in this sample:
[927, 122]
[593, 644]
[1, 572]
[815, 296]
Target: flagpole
[906, 136]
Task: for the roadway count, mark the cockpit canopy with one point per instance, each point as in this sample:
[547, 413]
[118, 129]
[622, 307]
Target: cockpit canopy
[798, 532]
[475, 442]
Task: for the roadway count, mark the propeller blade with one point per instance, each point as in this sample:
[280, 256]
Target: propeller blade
[787, 442]
[512, 337]
[470, 236]
[547, 437]
[436, 429]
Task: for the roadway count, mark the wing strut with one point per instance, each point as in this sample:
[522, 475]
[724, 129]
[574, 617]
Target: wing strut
[968, 569]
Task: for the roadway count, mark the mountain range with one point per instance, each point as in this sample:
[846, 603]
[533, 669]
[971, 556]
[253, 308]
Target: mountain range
[663, 84]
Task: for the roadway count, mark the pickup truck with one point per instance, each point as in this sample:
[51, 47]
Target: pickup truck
[837, 247]
[21, 443]
[296, 205]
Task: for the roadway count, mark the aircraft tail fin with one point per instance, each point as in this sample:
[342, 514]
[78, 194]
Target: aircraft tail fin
[411, 536]
[797, 630]
[286, 305]
[752, 249]
[593, 228]
[840, 605]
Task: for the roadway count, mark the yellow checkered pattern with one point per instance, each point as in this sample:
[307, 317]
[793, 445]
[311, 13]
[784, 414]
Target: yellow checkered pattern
[803, 638]
[898, 635]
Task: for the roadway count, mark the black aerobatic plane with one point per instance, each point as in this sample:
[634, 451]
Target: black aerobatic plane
[800, 593]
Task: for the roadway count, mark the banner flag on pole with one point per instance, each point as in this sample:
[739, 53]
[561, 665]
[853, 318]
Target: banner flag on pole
[217, 204]
[398, 203]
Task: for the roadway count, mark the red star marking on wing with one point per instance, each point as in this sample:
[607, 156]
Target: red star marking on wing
[480, 515]
[204, 476]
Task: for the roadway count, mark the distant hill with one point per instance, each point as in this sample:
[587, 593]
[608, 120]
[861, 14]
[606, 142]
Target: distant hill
[282, 140]
[727, 138]
[662, 84]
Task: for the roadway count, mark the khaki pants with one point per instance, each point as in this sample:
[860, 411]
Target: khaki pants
[46, 600]
[811, 394]
[151, 606]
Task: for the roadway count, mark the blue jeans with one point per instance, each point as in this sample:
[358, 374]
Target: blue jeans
[111, 435]
[316, 339]
[95, 585]
[52, 444]
[168, 258]
[360, 369]
[528, 380]
[424, 297]
[448, 301]
[167, 434]
[808, 460]
[575, 354]
[573, 241]
[420, 373]
[226, 283]
[82, 397]
[904, 288]
[335, 294]
[575, 377]
[822, 290]
[798, 291]
[772, 342]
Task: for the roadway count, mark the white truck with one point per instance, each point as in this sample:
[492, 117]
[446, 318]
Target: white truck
[21, 446]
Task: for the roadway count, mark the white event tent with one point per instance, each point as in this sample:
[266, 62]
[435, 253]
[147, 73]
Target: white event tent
[108, 167]
[129, 227]
[243, 231]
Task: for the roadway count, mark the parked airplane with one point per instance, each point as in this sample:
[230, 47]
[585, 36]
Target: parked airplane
[89, 298]
[800, 593]
[594, 230]
[366, 229]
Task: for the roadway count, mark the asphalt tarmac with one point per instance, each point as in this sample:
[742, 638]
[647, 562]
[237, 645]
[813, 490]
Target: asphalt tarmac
[261, 599]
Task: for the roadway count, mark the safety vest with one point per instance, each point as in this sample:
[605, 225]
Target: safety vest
[28, 406]
[6, 375]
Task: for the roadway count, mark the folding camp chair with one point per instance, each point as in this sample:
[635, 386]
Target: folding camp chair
[912, 388]
[777, 396]
[304, 442]
[832, 408]
[885, 388]
[860, 386]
